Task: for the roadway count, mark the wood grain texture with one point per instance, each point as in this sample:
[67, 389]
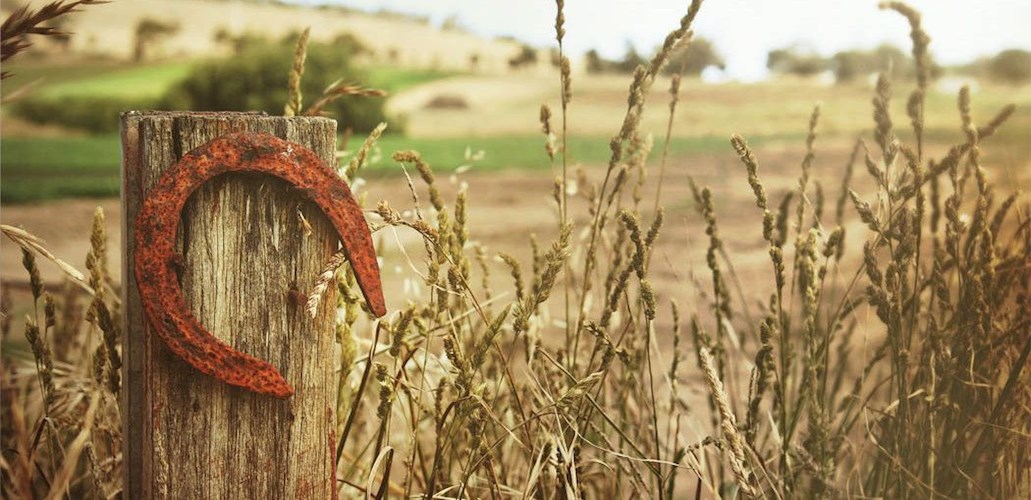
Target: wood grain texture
[245, 253]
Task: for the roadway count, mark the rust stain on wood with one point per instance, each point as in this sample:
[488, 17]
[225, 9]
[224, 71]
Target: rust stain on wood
[158, 221]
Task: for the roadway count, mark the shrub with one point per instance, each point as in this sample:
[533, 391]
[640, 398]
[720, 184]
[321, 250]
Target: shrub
[96, 115]
[255, 80]
[693, 57]
[1011, 66]
[447, 101]
[527, 56]
[793, 61]
[148, 32]
[850, 65]
[595, 63]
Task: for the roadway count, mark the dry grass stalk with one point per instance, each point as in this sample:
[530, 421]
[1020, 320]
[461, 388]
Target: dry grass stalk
[34, 244]
[294, 101]
[322, 282]
[631, 120]
[728, 422]
[674, 98]
[359, 157]
[338, 90]
[14, 34]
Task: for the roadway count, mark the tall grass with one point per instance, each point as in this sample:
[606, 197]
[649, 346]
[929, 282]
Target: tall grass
[898, 372]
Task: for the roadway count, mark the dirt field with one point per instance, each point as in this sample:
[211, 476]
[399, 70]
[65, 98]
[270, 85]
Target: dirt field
[505, 208]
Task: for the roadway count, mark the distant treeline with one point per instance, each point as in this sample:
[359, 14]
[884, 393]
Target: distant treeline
[689, 59]
[1011, 66]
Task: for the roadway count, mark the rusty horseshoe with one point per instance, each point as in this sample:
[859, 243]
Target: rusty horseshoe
[158, 222]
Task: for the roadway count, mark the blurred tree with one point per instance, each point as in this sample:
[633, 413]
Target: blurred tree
[853, 65]
[347, 42]
[236, 43]
[148, 32]
[1011, 66]
[222, 36]
[631, 60]
[62, 35]
[452, 23]
[693, 57]
[594, 62]
[794, 61]
[553, 58]
[527, 56]
[850, 65]
[256, 80]
[889, 57]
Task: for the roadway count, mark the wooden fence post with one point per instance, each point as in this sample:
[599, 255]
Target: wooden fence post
[246, 254]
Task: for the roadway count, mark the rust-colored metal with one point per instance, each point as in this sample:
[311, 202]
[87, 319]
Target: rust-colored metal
[158, 222]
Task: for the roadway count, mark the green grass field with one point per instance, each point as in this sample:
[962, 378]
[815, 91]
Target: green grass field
[43, 168]
[98, 79]
[149, 81]
[107, 79]
[46, 168]
[394, 79]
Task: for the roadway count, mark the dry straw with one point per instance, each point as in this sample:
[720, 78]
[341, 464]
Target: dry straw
[728, 422]
[294, 103]
[14, 34]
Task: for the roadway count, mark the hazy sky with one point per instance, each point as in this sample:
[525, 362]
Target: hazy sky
[743, 30]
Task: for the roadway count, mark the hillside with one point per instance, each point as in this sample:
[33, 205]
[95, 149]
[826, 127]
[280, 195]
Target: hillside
[109, 30]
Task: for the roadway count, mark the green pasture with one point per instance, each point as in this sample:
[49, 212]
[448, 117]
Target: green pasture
[97, 79]
[43, 168]
[151, 81]
[393, 79]
[148, 81]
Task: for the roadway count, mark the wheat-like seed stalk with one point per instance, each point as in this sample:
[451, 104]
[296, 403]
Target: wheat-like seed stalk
[359, 157]
[920, 41]
[807, 161]
[33, 243]
[728, 423]
[553, 262]
[427, 176]
[517, 275]
[674, 97]
[761, 374]
[24, 22]
[294, 102]
[674, 38]
[883, 133]
[846, 179]
[549, 135]
[98, 314]
[751, 164]
[323, 280]
[340, 89]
